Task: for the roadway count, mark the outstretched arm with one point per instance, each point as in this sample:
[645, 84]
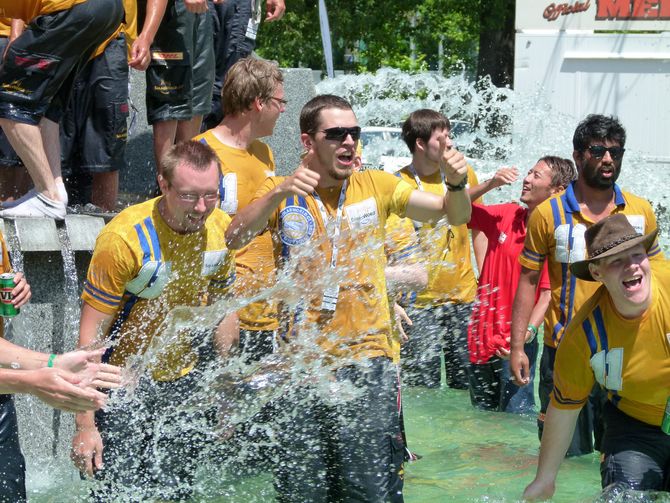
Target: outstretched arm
[524, 300]
[559, 426]
[504, 176]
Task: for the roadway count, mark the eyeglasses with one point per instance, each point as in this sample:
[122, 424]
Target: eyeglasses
[188, 197]
[598, 151]
[341, 133]
[282, 102]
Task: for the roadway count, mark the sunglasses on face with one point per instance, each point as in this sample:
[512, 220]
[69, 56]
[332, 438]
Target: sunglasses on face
[341, 133]
[598, 151]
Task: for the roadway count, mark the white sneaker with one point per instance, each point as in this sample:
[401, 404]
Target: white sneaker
[37, 206]
[60, 187]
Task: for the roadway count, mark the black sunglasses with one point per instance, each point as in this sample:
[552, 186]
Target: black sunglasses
[341, 133]
[598, 151]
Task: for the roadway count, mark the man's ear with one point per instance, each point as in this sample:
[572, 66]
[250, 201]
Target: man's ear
[419, 144]
[578, 157]
[257, 104]
[595, 271]
[306, 141]
[556, 190]
[162, 184]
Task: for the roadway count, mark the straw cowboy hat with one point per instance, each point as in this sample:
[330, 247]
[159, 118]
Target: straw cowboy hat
[608, 237]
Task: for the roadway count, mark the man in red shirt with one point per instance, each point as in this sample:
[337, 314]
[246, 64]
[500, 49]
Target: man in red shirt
[489, 330]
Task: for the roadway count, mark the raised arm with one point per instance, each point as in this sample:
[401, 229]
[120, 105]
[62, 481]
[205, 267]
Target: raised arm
[504, 176]
[252, 219]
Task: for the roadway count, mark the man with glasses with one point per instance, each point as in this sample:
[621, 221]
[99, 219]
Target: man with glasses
[555, 233]
[329, 222]
[155, 256]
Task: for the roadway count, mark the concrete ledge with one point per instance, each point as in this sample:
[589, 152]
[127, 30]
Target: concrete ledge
[37, 234]
[83, 231]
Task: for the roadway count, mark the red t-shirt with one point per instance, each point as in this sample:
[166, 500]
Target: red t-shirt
[505, 227]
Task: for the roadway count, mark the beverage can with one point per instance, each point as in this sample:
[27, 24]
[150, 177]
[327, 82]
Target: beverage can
[665, 425]
[7, 310]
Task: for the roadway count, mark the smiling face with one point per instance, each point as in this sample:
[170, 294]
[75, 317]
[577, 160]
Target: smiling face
[190, 197]
[626, 276]
[537, 185]
[334, 160]
[598, 173]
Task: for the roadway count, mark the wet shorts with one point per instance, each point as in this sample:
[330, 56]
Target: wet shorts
[37, 75]
[637, 454]
[12, 463]
[181, 73]
[8, 157]
[94, 127]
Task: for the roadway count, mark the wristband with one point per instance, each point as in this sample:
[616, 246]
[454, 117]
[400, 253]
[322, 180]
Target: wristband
[50, 363]
[533, 332]
[460, 186]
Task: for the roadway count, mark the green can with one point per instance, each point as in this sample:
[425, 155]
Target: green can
[7, 310]
[665, 425]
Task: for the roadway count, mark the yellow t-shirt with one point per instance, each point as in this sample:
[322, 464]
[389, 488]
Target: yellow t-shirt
[360, 326]
[128, 28]
[401, 246]
[244, 171]
[5, 27]
[27, 10]
[630, 358]
[200, 265]
[556, 233]
[451, 277]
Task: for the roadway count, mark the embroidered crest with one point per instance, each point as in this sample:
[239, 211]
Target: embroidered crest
[297, 225]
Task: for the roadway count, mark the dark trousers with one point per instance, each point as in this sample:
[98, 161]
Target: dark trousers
[344, 444]
[12, 463]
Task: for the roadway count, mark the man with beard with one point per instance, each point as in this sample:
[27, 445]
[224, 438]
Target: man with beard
[330, 222]
[556, 234]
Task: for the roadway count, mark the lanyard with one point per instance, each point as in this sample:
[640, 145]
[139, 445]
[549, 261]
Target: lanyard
[418, 180]
[338, 221]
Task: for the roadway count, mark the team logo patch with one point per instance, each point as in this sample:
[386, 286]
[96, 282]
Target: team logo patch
[297, 225]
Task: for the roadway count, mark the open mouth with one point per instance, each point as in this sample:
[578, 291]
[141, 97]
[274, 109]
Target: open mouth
[345, 158]
[607, 172]
[632, 284]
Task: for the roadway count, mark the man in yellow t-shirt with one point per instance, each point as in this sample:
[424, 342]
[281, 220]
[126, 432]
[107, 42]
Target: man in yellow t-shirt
[330, 224]
[153, 257]
[253, 96]
[618, 340]
[555, 234]
[35, 83]
[441, 311]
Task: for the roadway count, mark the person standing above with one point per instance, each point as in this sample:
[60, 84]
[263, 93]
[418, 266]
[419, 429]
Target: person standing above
[235, 26]
[441, 311]
[154, 256]
[330, 223]
[618, 340]
[35, 84]
[489, 330]
[556, 234]
[253, 95]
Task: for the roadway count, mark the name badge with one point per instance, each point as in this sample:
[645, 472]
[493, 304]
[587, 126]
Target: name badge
[212, 261]
[329, 300]
[363, 214]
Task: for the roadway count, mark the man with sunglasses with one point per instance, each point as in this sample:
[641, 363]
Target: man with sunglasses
[154, 256]
[555, 233]
[329, 223]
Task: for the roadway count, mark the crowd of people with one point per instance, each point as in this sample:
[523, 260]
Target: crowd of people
[389, 290]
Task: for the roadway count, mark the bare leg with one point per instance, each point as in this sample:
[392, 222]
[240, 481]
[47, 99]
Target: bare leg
[105, 190]
[187, 130]
[164, 137]
[51, 141]
[26, 139]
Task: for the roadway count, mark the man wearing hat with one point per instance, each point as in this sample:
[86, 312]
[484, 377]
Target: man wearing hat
[555, 235]
[619, 339]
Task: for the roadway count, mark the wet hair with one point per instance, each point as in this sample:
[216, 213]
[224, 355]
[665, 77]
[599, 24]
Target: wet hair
[562, 170]
[310, 119]
[196, 155]
[598, 127]
[420, 125]
[248, 79]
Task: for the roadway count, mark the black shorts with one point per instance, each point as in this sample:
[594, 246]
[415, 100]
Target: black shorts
[637, 454]
[37, 75]
[94, 129]
[12, 463]
[8, 157]
[181, 73]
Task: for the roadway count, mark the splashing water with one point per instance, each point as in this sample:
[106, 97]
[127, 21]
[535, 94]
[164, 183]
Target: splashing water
[468, 455]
